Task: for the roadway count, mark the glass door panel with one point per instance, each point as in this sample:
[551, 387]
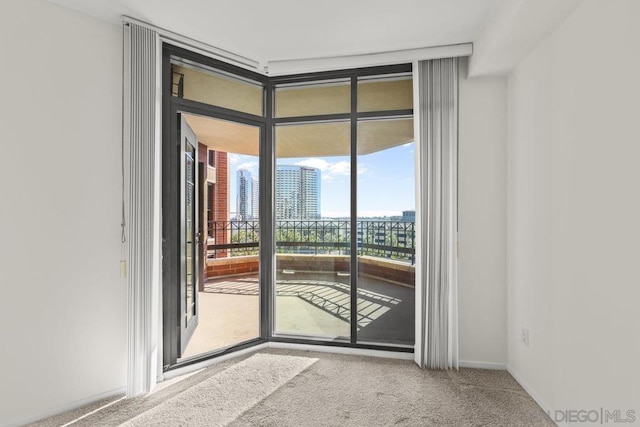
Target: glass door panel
[228, 300]
[189, 231]
[386, 232]
[312, 205]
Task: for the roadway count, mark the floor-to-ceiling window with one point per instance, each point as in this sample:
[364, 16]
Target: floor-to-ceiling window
[312, 199]
[302, 213]
[344, 207]
[386, 209]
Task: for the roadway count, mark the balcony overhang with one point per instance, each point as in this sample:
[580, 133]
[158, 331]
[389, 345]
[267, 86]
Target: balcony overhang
[304, 140]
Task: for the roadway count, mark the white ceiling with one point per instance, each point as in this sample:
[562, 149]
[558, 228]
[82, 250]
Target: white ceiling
[513, 30]
[268, 30]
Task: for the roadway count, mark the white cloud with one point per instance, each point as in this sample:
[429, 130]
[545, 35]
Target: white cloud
[339, 168]
[314, 163]
[250, 166]
[331, 170]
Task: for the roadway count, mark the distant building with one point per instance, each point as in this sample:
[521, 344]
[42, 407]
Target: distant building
[310, 186]
[244, 195]
[217, 199]
[297, 192]
[255, 198]
[409, 216]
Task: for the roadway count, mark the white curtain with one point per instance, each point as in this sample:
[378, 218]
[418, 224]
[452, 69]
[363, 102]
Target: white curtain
[141, 203]
[436, 88]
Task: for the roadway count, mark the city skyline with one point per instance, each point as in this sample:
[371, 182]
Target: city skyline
[386, 181]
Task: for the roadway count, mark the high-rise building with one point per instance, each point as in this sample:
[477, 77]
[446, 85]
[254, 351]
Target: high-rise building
[310, 197]
[409, 216]
[297, 192]
[243, 196]
[255, 198]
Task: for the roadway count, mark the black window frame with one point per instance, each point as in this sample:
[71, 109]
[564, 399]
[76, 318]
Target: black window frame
[171, 106]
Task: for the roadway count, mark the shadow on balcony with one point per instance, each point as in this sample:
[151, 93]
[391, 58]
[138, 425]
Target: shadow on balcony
[312, 284]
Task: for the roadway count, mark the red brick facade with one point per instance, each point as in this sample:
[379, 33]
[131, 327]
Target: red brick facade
[231, 266]
[218, 192]
[220, 196]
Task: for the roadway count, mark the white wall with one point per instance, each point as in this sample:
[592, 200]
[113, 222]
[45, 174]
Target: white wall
[573, 210]
[482, 220]
[62, 304]
[513, 30]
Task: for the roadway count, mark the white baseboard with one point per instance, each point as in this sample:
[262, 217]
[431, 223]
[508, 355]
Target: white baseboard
[66, 407]
[541, 402]
[343, 350]
[482, 365]
[197, 366]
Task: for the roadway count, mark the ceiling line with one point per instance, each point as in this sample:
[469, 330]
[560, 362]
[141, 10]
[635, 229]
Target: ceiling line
[401, 56]
[198, 47]
[295, 66]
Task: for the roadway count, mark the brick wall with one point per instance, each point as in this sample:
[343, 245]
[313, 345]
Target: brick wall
[202, 214]
[220, 195]
[379, 268]
[221, 267]
[308, 263]
[221, 198]
[389, 270]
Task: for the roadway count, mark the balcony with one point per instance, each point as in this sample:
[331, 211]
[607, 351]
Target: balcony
[312, 282]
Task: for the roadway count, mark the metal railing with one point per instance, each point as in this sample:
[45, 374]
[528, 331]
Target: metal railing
[378, 238]
[387, 239]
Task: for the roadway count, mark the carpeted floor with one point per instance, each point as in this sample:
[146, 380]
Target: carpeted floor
[335, 390]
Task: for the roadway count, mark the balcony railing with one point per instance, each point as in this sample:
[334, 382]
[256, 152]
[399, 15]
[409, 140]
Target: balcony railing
[379, 238]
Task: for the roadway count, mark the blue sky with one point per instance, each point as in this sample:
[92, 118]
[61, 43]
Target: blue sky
[386, 181]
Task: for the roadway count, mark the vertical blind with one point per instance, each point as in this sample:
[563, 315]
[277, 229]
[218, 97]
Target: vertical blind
[437, 343]
[139, 156]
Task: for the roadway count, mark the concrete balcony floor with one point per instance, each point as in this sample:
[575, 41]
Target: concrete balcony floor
[307, 305]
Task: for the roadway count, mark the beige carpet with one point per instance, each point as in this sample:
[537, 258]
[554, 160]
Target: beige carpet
[337, 390]
[220, 399]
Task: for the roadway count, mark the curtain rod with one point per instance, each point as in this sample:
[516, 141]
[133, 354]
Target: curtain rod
[199, 47]
[308, 65]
